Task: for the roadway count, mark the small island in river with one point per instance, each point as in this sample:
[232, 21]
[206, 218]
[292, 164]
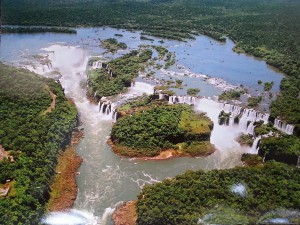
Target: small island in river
[153, 129]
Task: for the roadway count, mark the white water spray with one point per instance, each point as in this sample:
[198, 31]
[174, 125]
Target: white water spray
[182, 100]
[72, 217]
[284, 127]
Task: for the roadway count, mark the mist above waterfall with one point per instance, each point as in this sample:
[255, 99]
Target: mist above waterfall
[72, 217]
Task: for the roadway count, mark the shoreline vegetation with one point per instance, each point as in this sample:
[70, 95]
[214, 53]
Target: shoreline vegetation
[34, 127]
[162, 155]
[244, 192]
[64, 187]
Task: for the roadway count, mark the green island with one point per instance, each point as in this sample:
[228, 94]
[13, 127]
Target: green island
[230, 95]
[148, 127]
[117, 74]
[267, 29]
[37, 121]
[112, 45]
[146, 38]
[241, 195]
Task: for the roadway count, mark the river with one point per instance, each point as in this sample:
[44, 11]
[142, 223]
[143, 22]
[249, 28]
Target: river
[105, 179]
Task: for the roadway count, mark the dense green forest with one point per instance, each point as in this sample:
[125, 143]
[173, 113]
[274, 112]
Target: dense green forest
[269, 29]
[284, 149]
[234, 196]
[149, 128]
[36, 121]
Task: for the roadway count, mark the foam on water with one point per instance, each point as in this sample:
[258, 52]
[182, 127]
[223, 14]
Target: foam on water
[147, 179]
[72, 217]
[138, 88]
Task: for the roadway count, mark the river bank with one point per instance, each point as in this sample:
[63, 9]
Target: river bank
[125, 214]
[164, 154]
[64, 187]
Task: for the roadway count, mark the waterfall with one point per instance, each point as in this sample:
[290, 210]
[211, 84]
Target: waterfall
[96, 65]
[115, 114]
[182, 100]
[284, 127]
[172, 99]
[255, 145]
[247, 117]
[101, 107]
[250, 128]
[234, 109]
[160, 96]
[107, 110]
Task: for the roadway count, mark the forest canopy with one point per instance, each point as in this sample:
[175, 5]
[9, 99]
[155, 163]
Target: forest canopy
[240, 195]
[32, 133]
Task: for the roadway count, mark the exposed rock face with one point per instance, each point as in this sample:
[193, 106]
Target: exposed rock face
[64, 187]
[3, 153]
[125, 214]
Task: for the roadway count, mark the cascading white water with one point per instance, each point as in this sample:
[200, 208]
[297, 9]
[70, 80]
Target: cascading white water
[182, 100]
[96, 65]
[246, 121]
[138, 88]
[255, 145]
[247, 117]
[107, 110]
[250, 128]
[284, 127]
[223, 137]
[234, 109]
[171, 100]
